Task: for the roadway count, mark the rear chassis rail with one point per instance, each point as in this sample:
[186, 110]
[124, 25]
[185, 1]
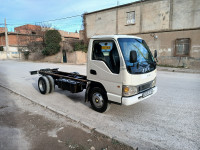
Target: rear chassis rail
[67, 81]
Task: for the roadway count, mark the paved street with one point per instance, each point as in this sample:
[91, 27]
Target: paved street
[168, 120]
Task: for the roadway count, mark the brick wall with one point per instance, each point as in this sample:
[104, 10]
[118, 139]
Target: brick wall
[19, 40]
[2, 29]
[2, 40]
[12, 40]
[28, 29]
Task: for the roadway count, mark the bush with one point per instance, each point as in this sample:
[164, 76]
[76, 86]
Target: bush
[26, 55]
[51, 49]
[35, 46]
[80, 46]
[52, 42]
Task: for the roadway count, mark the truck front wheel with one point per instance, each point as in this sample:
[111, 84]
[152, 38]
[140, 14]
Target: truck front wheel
[98, 99]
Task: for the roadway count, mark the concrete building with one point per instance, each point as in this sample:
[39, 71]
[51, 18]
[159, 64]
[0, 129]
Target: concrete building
[170, 26]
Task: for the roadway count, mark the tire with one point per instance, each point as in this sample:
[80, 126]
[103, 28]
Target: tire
[98, 99]
[43, 85]
[52, 83]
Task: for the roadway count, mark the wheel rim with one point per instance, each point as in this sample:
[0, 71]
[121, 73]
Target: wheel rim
[41, 85]
[97, 99]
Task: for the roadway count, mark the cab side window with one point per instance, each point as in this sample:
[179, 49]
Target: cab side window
[106, 51]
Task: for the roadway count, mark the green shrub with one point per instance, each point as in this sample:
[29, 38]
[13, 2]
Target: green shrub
[52, 42]
[26, 55]
[80, 46]
[51, 49]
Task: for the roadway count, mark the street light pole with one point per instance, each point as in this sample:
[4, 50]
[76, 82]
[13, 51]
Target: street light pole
[117, 18]
[6, 39]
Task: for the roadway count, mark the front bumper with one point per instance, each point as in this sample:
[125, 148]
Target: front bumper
[136, 98]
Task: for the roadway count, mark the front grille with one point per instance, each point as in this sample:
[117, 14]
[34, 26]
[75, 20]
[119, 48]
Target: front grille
[145, 86]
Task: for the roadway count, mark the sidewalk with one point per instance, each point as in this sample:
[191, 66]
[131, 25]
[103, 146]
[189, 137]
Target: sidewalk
[183, 70]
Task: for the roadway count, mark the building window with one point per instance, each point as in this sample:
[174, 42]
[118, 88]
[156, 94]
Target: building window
[182, 47]
[130, 18]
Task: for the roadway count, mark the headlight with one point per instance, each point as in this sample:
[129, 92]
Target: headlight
[153, 84]
[129, 90]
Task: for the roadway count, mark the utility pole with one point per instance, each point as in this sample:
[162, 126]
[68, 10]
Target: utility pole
[117, 18]
[6, 38]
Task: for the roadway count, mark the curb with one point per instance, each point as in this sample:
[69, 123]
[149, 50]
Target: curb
[179, 70]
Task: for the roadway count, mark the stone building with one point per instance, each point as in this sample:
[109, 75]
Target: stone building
[170, 26]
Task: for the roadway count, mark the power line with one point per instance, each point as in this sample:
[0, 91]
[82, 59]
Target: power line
[59, 19]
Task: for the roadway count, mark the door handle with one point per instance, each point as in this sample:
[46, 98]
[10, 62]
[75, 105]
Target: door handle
[93, 72]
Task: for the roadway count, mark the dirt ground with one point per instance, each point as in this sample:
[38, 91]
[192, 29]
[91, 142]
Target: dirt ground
[25, 125]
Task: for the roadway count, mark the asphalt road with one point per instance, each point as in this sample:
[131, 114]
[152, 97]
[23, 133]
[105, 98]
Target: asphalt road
[168, 120]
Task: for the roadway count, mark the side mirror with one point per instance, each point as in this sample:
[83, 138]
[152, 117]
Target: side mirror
[133, 56]
[155, 54]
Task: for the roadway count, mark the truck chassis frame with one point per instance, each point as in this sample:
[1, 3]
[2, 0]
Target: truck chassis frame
[73, 82]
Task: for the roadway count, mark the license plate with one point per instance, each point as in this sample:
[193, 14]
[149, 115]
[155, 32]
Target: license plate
[147, 93]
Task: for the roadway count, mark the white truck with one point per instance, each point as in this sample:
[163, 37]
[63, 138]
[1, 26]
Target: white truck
[120, 70]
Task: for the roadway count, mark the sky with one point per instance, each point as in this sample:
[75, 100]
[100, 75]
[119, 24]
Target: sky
[41, 12]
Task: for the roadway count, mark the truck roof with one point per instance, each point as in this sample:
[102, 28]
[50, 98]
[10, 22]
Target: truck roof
[114, 36]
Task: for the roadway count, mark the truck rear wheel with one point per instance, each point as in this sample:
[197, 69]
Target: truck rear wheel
[52, 83]
[98, 99]
[43, 85]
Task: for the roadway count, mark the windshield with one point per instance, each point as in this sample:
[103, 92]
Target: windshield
[145, 61]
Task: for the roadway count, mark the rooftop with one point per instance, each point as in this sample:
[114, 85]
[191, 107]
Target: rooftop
[137, 2]
[114, 36]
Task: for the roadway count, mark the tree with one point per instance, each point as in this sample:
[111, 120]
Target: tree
[52, 42]
[84, 29]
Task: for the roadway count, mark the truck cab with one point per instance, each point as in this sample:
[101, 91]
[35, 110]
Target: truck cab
[120, 69]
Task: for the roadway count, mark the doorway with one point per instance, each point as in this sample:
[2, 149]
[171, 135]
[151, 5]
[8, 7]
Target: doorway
[64, 56]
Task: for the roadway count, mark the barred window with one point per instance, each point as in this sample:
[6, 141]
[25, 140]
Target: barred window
[130, 18]
[182, 47]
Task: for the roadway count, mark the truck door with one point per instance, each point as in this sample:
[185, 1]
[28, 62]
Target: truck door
[104, 67]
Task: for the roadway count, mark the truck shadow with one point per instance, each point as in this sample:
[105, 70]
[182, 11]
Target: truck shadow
[35, 85]
[75, 97]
